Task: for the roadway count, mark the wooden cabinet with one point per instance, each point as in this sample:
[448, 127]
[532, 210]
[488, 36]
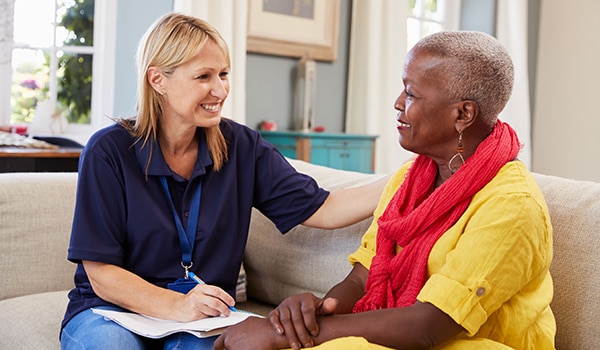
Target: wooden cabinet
[15, 159]
[341, 151]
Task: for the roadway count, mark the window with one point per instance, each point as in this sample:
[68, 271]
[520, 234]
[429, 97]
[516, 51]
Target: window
[56, 50]
[430, 16]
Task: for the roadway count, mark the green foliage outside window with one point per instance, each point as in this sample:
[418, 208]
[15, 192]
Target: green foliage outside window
[429, 7]
[28, 89]
[30, 78]
[75, 70]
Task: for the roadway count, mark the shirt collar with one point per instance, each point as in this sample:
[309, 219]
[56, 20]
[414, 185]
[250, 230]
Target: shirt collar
[158, 166]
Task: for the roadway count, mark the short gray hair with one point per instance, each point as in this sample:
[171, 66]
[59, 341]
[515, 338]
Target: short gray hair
[477, 67]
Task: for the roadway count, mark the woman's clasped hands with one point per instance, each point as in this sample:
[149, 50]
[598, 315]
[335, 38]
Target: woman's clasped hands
[292, 324]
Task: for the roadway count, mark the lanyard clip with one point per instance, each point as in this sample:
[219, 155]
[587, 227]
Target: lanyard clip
[187, 269]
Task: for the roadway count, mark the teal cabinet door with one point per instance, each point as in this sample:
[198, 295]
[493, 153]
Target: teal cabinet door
[285, 144]
[341, 151]
[353, 155]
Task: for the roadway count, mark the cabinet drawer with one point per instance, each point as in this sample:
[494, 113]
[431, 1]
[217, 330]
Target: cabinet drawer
[346, 158]
[341, 143]
[340, 151]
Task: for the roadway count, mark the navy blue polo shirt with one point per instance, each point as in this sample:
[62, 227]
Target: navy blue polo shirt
[123, 215]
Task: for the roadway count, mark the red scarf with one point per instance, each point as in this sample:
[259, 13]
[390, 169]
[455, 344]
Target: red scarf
[418, 215]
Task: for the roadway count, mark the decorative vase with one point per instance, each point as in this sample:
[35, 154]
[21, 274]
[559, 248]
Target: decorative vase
[305, 95]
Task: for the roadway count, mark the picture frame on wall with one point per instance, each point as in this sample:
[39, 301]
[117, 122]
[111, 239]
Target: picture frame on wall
[294, 28]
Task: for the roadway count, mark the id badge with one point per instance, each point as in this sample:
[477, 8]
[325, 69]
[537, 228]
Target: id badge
[182, 285]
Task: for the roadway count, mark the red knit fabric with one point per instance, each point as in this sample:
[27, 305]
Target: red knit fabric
[418, 215]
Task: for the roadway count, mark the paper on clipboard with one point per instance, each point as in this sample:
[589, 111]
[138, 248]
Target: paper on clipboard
[156, 328]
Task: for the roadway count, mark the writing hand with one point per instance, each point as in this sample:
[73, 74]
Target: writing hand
[203, 301]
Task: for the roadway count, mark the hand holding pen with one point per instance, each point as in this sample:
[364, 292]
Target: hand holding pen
[198, 280]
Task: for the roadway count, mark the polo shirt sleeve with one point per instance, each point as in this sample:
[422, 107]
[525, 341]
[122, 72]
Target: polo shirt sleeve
[99, 217]
[281, 193]
[366, 251]
[499, 250]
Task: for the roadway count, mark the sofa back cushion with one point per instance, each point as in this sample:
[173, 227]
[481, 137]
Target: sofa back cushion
[575, 214]
[36, 211]
[304, 259]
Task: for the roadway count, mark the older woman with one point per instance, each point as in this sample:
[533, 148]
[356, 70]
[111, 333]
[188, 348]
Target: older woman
[170, 193]
[459, 254]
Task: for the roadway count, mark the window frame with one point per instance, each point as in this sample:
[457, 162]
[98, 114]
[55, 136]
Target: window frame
[103, 67]
[450, 17]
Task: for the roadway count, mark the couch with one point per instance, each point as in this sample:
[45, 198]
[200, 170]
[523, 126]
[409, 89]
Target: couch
[36, 210]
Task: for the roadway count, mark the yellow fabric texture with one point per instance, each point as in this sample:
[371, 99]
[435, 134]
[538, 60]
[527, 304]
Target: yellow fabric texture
[489, 271]
[358, 343]
[349, 343]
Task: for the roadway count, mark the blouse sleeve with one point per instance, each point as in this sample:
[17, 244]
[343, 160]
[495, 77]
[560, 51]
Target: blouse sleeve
[500, 248]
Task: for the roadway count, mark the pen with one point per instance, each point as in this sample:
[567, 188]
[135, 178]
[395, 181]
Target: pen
[199, 281]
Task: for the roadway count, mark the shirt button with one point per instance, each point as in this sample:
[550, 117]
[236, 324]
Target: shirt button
[186, 214]
[480, 291]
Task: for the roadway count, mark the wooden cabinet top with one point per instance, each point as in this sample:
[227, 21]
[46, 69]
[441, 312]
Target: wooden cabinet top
[20, 152]
[314, 135]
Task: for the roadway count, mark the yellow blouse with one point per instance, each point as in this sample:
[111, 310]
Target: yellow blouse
[490, 271]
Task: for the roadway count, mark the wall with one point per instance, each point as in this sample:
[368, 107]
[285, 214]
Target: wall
[565, 141]
[270, 85]
[478, 15]
[131, 26]
[566, 119]
[270, 79]
[532, 43]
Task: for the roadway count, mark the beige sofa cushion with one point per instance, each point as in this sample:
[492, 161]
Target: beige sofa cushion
[32, 321]
[280, 265]
[36, 211]
[575, 214]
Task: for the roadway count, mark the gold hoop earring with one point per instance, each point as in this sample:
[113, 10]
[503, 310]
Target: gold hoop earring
[457, 160]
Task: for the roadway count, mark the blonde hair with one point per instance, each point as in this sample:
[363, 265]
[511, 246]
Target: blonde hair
[171, 41]
[476, 67]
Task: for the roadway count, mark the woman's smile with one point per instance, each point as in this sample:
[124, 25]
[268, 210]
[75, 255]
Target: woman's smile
[211, 107]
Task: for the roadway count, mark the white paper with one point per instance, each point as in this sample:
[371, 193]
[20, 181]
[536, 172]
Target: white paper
[156, 328]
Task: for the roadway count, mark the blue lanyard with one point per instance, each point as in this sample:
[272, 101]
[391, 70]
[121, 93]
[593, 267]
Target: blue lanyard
[186, 237]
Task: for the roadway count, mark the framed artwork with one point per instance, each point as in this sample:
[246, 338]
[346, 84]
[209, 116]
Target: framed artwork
[294, 28]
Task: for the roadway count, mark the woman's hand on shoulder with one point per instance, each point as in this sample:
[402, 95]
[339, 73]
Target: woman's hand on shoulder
[296, 318]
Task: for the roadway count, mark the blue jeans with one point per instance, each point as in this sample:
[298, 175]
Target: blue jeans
[91, 331]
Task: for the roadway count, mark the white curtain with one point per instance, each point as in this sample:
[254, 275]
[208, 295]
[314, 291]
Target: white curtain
[6, 30]
[511, 30]
[230, 19]
[377, 51]
[6, 39]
